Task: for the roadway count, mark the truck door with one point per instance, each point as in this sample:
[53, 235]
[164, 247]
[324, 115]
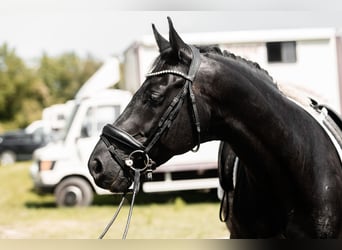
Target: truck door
[95, 119]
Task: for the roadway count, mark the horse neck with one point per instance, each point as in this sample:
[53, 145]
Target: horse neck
[247, 112]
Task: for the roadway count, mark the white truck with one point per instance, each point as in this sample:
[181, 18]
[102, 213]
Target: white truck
[61, 166]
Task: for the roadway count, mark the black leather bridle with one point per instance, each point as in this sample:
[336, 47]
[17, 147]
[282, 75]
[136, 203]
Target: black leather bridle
[112, 135]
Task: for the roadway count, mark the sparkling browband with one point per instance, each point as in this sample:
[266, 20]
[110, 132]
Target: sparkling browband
[174, 72]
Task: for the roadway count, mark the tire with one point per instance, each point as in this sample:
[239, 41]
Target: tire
[74, 191]
[7, 157]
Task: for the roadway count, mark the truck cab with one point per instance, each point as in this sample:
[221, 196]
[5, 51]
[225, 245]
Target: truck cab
[61, 166]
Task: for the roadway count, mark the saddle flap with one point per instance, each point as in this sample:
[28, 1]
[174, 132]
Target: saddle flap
[334, 116]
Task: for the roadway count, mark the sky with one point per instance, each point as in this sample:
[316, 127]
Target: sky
[104, 28]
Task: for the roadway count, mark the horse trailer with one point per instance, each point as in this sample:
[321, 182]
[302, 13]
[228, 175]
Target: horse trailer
[308, 59]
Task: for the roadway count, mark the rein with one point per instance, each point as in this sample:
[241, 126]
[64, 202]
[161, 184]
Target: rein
[136, 188]
[111, 134]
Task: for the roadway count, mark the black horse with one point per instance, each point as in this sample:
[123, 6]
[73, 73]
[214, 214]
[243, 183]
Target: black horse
[289, 179]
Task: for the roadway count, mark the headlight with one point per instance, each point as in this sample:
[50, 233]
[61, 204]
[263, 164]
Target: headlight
[46, 165]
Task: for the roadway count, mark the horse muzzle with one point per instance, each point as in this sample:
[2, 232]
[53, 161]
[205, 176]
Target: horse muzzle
[114, 168]
[107, 173]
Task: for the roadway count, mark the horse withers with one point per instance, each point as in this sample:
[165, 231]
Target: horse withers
[289, 180]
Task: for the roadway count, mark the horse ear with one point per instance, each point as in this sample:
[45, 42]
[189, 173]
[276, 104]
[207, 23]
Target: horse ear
[178, 46]
[162, 43]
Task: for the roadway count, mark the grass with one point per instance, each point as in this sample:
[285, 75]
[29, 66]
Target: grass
[25, 215]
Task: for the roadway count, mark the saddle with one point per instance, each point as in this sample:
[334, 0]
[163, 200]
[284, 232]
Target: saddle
[331, 123]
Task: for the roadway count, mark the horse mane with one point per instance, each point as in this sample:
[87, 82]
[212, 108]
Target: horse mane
[215, 49]
[290, 92]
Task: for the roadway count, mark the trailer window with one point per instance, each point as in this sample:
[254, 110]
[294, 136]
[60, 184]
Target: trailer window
[284, 52]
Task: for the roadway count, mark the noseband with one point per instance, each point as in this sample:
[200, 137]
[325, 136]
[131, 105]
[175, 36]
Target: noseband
[112, 135]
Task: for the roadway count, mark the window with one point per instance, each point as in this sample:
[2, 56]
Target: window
[281, 52]
[97, 118]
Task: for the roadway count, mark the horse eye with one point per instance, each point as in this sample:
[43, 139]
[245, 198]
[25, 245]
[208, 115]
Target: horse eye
[156, 98]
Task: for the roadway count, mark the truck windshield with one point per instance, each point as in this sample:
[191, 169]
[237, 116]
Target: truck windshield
[69, 122]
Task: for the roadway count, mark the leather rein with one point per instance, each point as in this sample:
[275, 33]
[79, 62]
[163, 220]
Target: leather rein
[113, 136]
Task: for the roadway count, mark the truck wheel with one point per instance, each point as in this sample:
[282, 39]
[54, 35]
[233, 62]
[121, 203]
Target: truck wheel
[74, 191]
[7, 157]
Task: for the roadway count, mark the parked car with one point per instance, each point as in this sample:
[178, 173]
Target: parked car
[19, 145]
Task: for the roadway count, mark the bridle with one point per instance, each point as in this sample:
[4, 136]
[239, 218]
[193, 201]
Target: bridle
[113, 136]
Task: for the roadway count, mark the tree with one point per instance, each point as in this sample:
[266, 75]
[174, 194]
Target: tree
[65, 74]
[25, 91]
[22, 94]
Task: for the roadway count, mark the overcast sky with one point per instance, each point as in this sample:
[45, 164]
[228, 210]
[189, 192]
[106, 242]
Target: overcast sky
[106, 27]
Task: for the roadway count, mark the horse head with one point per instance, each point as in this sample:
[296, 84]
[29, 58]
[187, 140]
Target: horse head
[161, 120]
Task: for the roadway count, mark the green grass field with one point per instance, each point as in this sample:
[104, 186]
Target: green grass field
[25, 215]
